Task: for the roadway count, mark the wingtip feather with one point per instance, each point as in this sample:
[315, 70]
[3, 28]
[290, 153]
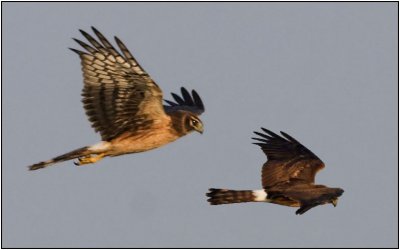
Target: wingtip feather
[269, 132]
[76, 51]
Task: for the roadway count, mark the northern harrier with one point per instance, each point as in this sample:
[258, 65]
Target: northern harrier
[287, 177]
[125, 105]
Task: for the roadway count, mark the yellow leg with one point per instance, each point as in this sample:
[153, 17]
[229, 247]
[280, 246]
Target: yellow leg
[89, 159]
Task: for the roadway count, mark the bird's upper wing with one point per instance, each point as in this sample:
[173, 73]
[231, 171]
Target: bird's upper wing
[118, 95]
[287, 159]
[187, 102]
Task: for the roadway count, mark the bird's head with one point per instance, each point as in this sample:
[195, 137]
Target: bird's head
[184, 122]
[193, 123]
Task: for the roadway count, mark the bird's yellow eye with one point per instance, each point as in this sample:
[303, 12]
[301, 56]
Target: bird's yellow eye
[194, 122]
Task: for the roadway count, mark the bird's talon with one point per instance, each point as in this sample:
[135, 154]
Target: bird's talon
[89, 159]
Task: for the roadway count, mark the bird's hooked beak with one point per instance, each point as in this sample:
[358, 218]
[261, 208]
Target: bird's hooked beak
[199, 128]
[334, 202]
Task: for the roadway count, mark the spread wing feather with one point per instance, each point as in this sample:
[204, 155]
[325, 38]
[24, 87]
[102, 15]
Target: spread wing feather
[118, 95]
[187, 102]
[287, 159]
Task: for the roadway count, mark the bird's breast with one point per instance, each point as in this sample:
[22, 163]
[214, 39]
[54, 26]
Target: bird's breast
[144, 141]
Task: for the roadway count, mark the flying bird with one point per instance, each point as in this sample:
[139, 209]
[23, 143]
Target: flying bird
[287, 177]
[126, 106]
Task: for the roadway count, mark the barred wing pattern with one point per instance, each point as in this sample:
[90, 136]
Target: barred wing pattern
[118, 95]
[191, 103]
[287, 159]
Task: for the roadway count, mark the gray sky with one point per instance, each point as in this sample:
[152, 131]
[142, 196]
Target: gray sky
[326, 73]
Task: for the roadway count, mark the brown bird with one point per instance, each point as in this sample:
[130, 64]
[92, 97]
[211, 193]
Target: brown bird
[125, 105]
[287, 177]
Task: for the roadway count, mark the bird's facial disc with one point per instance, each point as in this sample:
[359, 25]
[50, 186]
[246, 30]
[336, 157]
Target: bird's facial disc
[196, 124]
[334, 202]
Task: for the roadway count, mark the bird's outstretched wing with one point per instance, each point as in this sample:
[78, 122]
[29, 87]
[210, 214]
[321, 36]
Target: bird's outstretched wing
[187, 102]
[287, 159]
[118, 95]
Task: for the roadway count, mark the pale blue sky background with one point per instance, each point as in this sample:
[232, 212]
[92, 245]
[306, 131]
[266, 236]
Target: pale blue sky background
[326, 73]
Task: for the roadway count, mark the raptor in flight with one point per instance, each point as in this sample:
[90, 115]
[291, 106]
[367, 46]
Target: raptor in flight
[287, 177]
[125, 105]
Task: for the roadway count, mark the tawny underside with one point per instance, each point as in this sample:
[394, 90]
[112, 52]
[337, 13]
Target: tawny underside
[154, 137]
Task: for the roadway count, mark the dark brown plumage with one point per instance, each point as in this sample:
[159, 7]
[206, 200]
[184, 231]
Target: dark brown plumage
[125, 105]
[287, 177]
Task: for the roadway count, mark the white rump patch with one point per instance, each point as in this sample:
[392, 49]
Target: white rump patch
[260, 195]
[101, 146]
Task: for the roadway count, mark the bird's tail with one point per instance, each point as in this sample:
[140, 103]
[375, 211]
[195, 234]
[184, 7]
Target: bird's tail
[65, 157]
[226, 196]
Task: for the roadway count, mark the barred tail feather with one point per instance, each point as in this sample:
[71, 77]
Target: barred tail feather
[65, 157]
[226, 196]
